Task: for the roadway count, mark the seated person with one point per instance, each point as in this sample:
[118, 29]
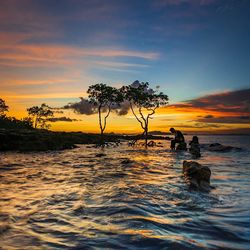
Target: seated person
[195, 147]
[179, 138]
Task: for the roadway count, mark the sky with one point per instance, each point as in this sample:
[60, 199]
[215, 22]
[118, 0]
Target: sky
[197, 51]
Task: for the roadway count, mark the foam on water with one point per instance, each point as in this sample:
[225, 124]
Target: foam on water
[128, 198]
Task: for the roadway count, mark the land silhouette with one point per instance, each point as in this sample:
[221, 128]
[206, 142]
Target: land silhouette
[32, 132]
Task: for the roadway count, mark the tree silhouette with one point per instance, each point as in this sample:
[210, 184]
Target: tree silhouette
[146, 101]
[40, 114]
[3, 108]
[103, 97]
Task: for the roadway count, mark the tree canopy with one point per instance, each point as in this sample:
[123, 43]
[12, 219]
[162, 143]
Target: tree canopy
[104, 98]
[40, 114]
[143, 102]
[3, 107]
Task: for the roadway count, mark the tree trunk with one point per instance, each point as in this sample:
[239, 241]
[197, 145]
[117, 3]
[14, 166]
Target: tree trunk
[146, 135]
[100, 124]
[102, 139]
[36, 121]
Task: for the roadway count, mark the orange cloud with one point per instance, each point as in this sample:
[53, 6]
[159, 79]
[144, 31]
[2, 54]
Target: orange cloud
[219, 111]
[64, 54]
[20, 82]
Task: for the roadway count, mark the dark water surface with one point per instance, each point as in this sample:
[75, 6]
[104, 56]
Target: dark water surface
[75, 200]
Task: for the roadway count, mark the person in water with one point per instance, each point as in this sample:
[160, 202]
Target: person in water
[195, 147]
[179, 138]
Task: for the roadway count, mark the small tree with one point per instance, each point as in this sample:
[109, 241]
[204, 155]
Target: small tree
[146, 101]
[3, 108]
[27, 122]
[104, 98]
[40, 114]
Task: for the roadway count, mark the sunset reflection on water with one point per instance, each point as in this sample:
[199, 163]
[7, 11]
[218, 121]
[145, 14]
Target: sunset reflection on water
[73, 198]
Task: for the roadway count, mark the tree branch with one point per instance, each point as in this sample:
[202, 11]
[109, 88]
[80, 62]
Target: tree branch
[142, 115]
[131, 106]
[152, 112]
[105, 118]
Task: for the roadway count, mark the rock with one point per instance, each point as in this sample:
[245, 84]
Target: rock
[197, 176]
[195, 154]
[100, 155]
[195, 151]
[217, 147]
[151, 144]
[132, 143]
[126, 161]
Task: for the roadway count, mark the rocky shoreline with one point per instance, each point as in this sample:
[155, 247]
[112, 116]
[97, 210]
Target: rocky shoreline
[25, 140]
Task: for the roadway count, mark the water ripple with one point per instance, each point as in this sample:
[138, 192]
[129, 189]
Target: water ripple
[122, 198]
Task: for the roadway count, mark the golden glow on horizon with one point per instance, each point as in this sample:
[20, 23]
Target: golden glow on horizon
[182, 118]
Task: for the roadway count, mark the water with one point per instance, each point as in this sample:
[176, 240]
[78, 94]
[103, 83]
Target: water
[75, 200]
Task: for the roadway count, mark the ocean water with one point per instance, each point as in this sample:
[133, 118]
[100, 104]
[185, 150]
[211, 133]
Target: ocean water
[73, 199]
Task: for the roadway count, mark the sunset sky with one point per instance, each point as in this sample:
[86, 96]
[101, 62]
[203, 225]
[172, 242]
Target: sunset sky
[198, 51]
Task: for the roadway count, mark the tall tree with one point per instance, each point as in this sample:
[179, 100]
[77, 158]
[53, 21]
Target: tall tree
[143, 103]
[40, 114]
[3, 108]
[104, 98]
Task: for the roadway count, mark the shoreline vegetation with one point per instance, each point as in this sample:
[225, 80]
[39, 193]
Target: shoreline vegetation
[102, 100]
[31, 139]
[27, 140]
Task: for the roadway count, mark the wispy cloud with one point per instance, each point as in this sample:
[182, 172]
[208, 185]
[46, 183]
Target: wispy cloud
[224, 107]
[55, 55]
[198, 125]
[226, 119]
[25, 82]
[61, 119]
[33, 34]
[231, 101]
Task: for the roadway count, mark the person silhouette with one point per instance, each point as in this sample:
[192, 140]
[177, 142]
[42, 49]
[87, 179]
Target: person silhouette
[179, 138]
[195, 147]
